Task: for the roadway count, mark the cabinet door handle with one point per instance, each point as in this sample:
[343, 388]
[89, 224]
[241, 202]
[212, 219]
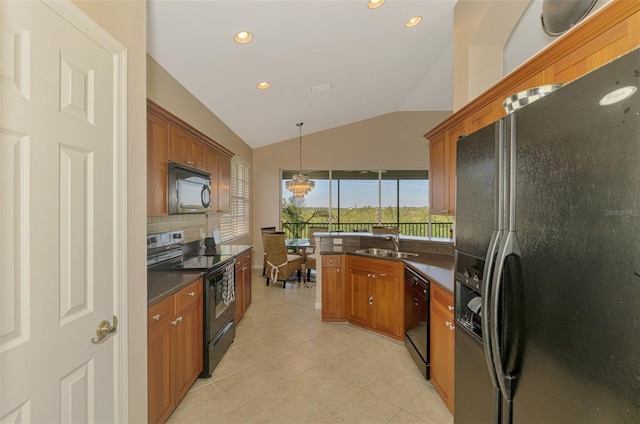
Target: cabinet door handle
[192, 293]
[370, 300]
[156, 317]
[176, 321]
[338, 270]
[449, 307]
[382, 275]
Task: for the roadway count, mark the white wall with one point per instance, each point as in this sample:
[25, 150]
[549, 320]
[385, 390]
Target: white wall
[528, 38]
[481, 28]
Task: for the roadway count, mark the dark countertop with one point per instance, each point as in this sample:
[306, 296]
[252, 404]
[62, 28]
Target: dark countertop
[342, 234]
[161, 284]
[437, 269]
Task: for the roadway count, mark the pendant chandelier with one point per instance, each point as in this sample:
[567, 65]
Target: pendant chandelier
[300, 184]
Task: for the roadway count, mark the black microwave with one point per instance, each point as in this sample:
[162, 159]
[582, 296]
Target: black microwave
[189, 190]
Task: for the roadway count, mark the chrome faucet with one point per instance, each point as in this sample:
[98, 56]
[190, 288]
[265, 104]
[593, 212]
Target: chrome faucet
[395, 240]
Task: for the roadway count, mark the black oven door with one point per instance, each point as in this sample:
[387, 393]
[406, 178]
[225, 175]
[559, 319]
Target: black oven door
[219, 310]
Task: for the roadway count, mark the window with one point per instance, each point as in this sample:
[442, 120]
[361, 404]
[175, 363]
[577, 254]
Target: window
[356, 200]
[235, 224]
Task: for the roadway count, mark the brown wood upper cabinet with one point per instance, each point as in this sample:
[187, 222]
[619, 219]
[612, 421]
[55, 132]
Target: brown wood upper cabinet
[443, 170]
[185, 149]
[224, 184]
[157, 156]
[609, 33]
[171, 139]
[219, 166]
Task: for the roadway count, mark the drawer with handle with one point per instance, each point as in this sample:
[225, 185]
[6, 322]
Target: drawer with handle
[189, 294]
[159, 313]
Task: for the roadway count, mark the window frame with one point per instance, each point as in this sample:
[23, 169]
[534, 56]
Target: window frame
[237, 222]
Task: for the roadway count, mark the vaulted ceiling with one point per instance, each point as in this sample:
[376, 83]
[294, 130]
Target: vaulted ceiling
[369, 61]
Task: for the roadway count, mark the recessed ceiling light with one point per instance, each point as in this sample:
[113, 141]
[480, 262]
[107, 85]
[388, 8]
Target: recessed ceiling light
[263, 85]
[413, 21]
[243, 37]
[374, 4]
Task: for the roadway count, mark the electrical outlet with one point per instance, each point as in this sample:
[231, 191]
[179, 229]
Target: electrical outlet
[337, 248]
[337, 241]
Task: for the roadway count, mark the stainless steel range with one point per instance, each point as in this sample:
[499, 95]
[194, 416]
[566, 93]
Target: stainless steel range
[166, 252]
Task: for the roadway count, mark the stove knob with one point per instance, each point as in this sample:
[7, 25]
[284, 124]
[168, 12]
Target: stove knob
[466, 273]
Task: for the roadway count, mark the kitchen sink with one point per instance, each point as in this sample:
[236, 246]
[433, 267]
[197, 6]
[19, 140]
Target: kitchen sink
[385, 253]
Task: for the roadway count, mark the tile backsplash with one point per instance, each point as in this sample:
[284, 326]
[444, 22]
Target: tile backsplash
[193, 225]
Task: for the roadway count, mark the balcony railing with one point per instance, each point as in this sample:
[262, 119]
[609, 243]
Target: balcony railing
[438, 229]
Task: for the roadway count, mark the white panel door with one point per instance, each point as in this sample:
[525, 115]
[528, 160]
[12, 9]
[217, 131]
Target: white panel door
[59, 219]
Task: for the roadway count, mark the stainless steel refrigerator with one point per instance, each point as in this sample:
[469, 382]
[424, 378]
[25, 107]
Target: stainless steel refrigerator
[548, 257]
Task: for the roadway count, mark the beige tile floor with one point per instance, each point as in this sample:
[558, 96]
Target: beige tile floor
[287, 366]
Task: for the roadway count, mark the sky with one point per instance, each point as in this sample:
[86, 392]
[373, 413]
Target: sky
[364, 193]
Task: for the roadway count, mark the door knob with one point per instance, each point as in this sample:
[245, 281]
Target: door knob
[104, 329]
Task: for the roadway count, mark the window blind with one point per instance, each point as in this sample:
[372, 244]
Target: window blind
[235, 224]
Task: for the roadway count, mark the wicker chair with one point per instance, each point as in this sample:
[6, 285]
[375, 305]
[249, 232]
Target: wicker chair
[264, 256]
[280, 264]
[312, 256]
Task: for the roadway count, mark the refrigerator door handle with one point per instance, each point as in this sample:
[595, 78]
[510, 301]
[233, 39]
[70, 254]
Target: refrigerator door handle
[487, 277]
[508, 247]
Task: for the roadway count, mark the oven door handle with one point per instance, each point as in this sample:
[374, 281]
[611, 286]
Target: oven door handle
[220, 269]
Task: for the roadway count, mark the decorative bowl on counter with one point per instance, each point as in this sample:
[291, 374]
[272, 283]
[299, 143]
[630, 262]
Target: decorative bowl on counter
[523, 98]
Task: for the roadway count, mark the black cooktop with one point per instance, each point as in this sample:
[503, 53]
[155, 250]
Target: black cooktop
[204, 262]
[193, 263]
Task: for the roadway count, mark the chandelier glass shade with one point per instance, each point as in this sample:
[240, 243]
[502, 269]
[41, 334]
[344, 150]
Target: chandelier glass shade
[300, 185]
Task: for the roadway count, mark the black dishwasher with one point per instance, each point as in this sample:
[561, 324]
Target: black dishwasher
[416, 319]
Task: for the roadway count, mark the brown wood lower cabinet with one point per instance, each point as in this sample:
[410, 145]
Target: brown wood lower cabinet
[332, 288]
[374, 294]
[442, 344]
[174, 349]
[243, 284]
